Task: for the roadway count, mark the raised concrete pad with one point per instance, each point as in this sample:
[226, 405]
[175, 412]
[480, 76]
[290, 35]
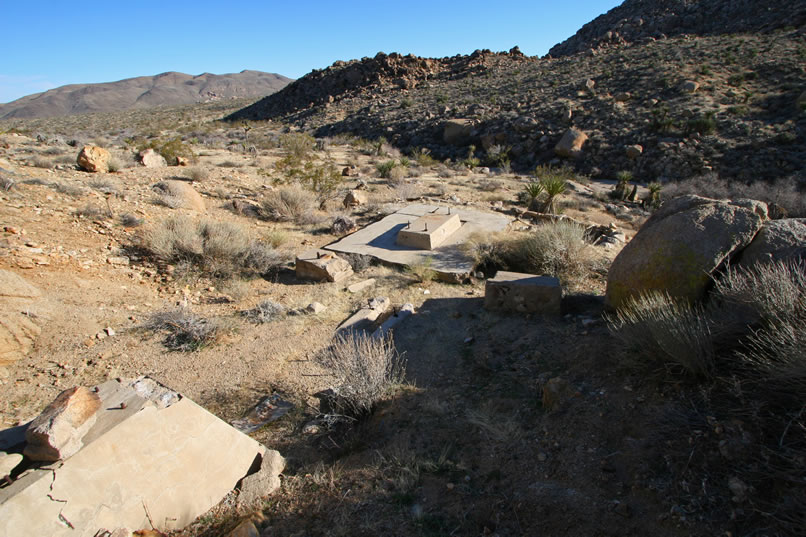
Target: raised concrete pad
[156, 454]
[379, 240]
[429, 231]
[523, 293]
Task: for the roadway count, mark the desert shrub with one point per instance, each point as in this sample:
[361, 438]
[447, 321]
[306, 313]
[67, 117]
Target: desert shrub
[422, 272]
[90, 211]
[358, 262]
[498, 156]
[170, 149]
[41, 162]
[298, 145]
[422, 155]
[105, 187]
[531, 194]
[198, 174]
[768, 303]
[785, 192]
[704, 124]
[385, 168]
[554, 186]
[655, 325]
[115, 164]
[489, 251]
[265, 312]
[365, 367]
[221, 249]
[130, 220]
[406, 191]
[185, 331]
[554, 248]
[288, 203]
[230, 164]
[6, 183]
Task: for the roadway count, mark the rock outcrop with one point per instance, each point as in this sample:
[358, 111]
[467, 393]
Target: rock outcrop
[151, 159]
[635, 21]
[778, 240]
[681, 245]
[180, 194]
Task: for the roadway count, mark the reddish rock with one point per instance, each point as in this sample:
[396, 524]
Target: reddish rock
[58, 431]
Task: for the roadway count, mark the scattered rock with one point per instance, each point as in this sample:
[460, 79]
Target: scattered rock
[633, 151]
[457, 131]
[92, 158]
[322, 265]
[523, 293]
[354, 198]
[151, 159]
[121, 260]
[58, 431]
[315, 308]
[690, 86]
[350, 171]
[570, 145]
[259, 485]
[364, 319]
[180, 194]
[679, 247]
[182, 161]
[622, 97]
[342, 225]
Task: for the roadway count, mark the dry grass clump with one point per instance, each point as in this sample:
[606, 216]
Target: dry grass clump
[198, 174]
[365, 368]
[553, 248]
[185, 331]
[289, 203]
[221, 249]
[265, 312]
[656, 325]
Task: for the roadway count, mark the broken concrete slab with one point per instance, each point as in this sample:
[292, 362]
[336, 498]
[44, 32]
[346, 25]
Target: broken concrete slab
[322, 265]
[265, 481]
[172, 463]
[364, 319]
[392, 322]
[449, 260]
[523, 293]
[57, 432]
[8, 461]
[270, 408]
[360, 286]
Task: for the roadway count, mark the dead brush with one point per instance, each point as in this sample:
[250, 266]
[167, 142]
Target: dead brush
[364, 368]
[289, 203]
[185, 331]
[265, 312]
[655, 325]
[555, 248]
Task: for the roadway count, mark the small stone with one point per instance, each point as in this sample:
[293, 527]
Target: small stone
[622, 97]
[109, 331]
[122, 260]
[355, 198]
[634, 151]
[315, 308]
[265, 481]
[689, 86]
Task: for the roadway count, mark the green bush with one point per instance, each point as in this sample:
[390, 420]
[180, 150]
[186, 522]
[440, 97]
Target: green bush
[385, 168]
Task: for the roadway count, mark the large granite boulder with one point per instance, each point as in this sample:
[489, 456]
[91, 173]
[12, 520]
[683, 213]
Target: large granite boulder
[778, 240]
[92, 158]
[681, 245]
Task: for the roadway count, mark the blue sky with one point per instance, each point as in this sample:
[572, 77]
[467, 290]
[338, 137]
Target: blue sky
[53, 43]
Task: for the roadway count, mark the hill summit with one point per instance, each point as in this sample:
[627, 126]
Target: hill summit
[165, 89]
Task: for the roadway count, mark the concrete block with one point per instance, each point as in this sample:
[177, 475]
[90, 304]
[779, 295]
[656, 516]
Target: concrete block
[322, 265]
[523, 293]
[429, 231]
[172, 463]
[364, 318]
[360, 286]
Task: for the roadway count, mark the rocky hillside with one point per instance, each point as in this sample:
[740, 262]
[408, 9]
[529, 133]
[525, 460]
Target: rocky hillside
[637, 21]
[729, 104]
[166, 89]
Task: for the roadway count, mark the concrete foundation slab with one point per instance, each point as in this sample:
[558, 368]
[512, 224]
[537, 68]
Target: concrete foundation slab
[429, 231]
[322, 266]
[523, 293]
[379, 240]
[141, 458]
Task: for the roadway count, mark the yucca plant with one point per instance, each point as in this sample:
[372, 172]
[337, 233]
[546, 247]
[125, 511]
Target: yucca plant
[533, 189]
[554, 186]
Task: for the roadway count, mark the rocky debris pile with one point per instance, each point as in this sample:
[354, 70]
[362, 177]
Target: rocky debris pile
[368, 76]
[637, 21]
[689, 239]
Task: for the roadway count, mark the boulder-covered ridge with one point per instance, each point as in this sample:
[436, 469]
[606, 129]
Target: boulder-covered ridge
[166, 89]
[728, 104]
[369, 76]
[640, 20]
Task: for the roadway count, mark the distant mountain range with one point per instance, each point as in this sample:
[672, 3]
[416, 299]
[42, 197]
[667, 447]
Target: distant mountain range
[166, 89]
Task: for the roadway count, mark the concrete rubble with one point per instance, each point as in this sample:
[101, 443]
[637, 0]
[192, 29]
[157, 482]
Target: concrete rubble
[152, 456]
[523, 293]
